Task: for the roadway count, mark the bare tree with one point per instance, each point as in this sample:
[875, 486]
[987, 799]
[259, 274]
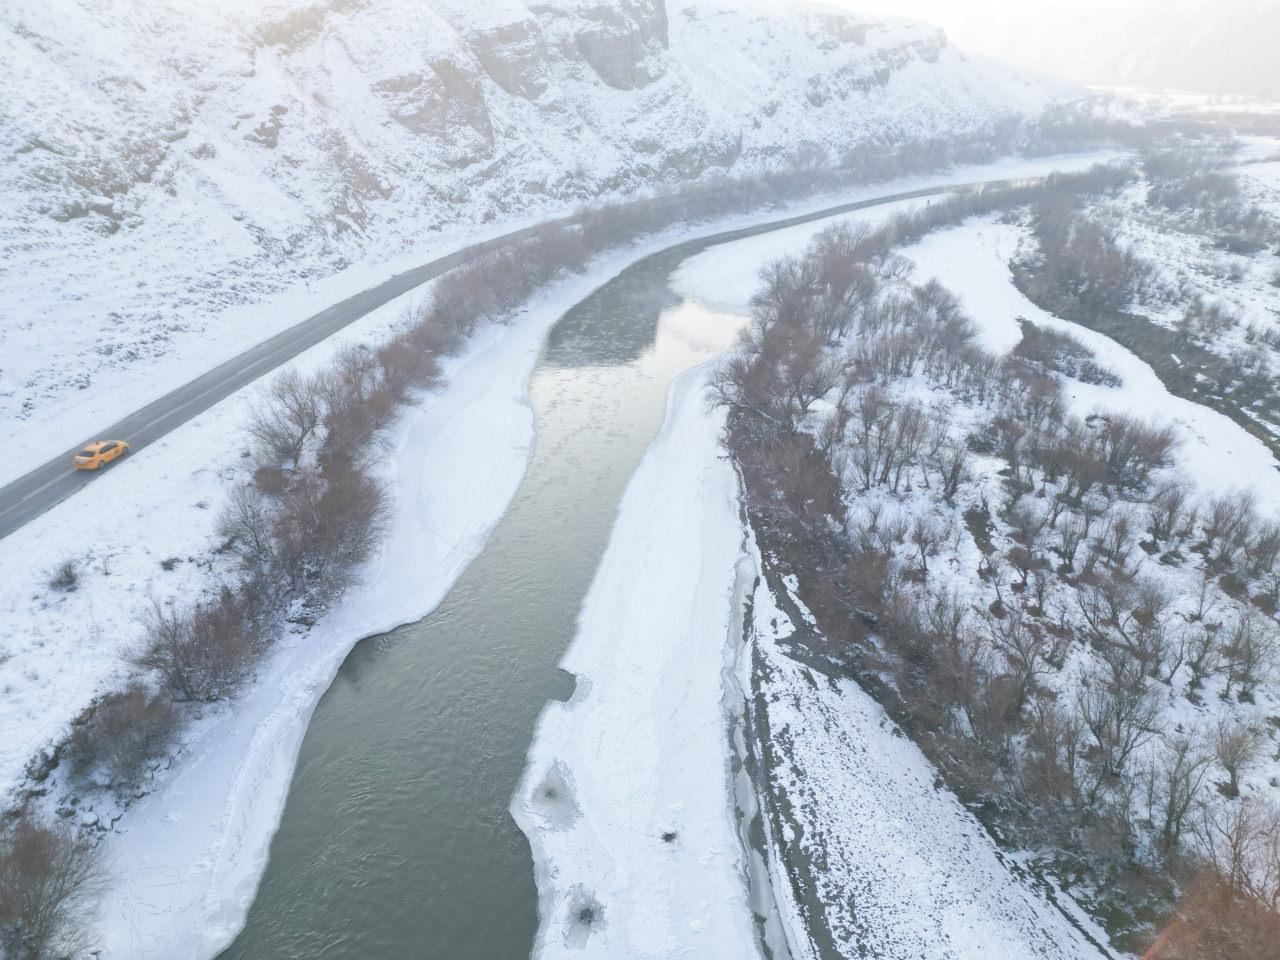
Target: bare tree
[201, 653]
[927, 536]
[287, 416]
[1242, 846]
[1248, 653]
[1180, 772]
[1228, 520]
[1236, 747]
[1119, 718]
[246, 523]
[1025, 648]
[1202, 655]
[49, 877]
[1169, 510]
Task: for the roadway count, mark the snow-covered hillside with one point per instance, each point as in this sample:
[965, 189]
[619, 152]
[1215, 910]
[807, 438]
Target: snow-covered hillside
[169, 169]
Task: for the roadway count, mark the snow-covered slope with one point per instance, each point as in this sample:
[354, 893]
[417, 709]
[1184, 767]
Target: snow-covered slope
[167, 169]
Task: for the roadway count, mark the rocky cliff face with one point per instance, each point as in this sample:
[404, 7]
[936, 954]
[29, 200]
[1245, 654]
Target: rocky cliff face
[163, 162]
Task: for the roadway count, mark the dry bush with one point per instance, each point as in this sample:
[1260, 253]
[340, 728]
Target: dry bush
[1056, 352]
[49, 877]
[286, 417]
[65, 576]
[325, 525]
[119, 734]
[1236, 747]
[202, 653]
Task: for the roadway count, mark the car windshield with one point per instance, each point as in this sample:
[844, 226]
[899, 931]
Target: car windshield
[86, 452]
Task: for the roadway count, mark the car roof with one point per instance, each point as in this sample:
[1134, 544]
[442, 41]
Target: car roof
[99, 444]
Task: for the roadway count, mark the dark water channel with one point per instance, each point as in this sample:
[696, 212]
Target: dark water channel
[396, 841]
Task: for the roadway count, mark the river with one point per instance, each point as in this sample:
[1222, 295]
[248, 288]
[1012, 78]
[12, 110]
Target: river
[396, 840]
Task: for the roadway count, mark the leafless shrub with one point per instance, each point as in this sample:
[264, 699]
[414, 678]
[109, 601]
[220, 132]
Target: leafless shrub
[927, 536]
[325, 525]
[1051, 772]
[1056, 352]
[405, 365]
[884, 437]
[202, 653]
[1242, 842]
[1083, 263]
[247, 525]
[119, 734]
[1204, 322]
[1262, 549]
[1169, 510]
[65, 576]
[286, 417]
[1025, 648]
[1236, 747]
[1248, 654]
[1133, 448]
[49, 877]
[1120, 718]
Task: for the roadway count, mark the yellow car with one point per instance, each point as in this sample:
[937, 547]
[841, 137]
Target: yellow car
[99, 453]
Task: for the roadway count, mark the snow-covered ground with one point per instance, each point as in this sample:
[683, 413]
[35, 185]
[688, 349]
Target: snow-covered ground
[626, 798]
[973, 260]
[163, 211]
[903, 870]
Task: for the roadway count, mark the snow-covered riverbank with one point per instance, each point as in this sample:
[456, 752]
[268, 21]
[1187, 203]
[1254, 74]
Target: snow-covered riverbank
[627, 799]
[895, 866]
[186, 865]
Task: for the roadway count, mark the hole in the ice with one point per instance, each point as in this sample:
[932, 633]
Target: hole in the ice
[668, 836]
[553, 799]
[585, 915]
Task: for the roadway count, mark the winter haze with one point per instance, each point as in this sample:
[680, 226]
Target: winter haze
[635, 479]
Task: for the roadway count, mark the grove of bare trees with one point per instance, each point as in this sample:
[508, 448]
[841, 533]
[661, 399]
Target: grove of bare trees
[1041, 686]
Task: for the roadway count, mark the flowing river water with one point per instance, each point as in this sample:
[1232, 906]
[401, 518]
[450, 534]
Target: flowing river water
[396, 841]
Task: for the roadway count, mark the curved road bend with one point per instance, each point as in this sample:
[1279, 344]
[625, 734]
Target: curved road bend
[49, 484]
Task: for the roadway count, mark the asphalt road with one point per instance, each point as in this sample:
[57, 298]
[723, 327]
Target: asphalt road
[49, 484]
